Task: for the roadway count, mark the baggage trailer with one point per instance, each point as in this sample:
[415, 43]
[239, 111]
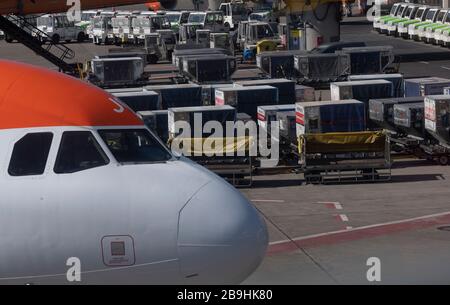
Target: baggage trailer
[344, 157]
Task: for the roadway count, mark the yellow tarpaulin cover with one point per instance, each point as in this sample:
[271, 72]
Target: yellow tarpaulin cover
[265, 46]
[343, 142]
[212, 146]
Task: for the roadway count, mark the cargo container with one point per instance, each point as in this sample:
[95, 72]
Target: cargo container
[381, 111]
[247, 99]
[330, 116]
[221, 114]
[207, 69]
[426, 86]
[286, 88]
[409, 118]
[447, 91]
[369, 60]
[268, 114]
[243, 117]
[182, 95]
[437, 117]
[304, 94]
[395, 78]
[278, 63]
[322, 67]
[157, 121]
[140, 101]
[209, 92]
[178, 55]
[361, 90]
[116, 71]
[288, 131]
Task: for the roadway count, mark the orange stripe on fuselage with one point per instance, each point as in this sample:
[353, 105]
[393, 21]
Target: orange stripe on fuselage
[37, 97]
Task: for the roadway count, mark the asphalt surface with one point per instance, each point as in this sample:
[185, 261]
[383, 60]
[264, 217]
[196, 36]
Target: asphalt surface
[325, 234]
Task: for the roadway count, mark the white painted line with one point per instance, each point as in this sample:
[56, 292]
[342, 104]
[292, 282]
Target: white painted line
[336, 205]
[348, 228]
[361, 228]
[424, 62]
[343, 217]
[446, 68]
[267, 200]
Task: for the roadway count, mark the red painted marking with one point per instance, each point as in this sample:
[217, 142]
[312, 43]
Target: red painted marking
[330, 205]
[261, 117]
[358, 233]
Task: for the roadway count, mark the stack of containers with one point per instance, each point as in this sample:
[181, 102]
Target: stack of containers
[426, 86]
[221, 114]
[396, 79]
[156, 121]
[304, 94]
[437, 117]
[209, 92]
[410, 119]
[140, 101]
[182, 95]
[330, 116]
[381, 111]
[247, 99]
[286, 88]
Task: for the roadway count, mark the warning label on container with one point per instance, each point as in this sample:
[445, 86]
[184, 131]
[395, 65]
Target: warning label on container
[430, 114]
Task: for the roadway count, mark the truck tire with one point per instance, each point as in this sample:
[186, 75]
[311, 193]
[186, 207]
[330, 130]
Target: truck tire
[81, 37]
[443, 160]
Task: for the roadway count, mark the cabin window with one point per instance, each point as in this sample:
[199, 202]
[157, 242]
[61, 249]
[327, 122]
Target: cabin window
[30, 154]
[134, 146]
[79, 151]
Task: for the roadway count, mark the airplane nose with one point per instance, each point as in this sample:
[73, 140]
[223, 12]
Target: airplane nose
[222, 238]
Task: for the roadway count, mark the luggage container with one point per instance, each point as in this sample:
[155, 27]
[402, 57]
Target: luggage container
[396, 80]
[286, 88]
[426, 86]
[209, 92]
[243, 117]
[206, 69]
[361, 90]
[304, 94]
[181, 95]
[278, 64]
[447, 91]
[330, 116]
[247, 99]
[322, 67]
[179, 54]
[369, 60]
[140, 101]
[124, 71]
[409, 118]
[437, 117]
[268, 114]
[288, 133]
[157, 121]
[221, 114]
[381, 111]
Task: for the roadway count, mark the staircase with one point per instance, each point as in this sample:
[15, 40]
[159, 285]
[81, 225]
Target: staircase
[21, 30]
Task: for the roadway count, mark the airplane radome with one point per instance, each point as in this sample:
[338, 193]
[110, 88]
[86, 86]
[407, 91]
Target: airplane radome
[81, 176]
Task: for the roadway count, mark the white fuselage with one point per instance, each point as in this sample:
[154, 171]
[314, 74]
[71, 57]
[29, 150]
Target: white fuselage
[180, 224]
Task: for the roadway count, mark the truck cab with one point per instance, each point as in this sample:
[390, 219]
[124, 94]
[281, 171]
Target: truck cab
[439, 21]
[410, 14]
[402, 27]
[377, 21]
[102, 30]
[257, 32]
[58, 27]
[147, 24]
[209, 20]
[233, 12]
[437, 27]
[413, 29]
[177, 19]
[122, 28]
[401, 12]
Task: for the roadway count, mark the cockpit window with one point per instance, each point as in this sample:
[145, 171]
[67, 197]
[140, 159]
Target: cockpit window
[30, 154]
[134, 146]
[79, 151]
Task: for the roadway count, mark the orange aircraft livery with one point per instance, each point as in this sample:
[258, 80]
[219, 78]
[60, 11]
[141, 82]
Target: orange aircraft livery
[28, 100]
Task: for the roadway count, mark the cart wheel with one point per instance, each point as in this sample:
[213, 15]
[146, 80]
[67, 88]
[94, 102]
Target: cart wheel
[443, 160]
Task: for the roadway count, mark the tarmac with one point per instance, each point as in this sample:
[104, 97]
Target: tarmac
[325, 234]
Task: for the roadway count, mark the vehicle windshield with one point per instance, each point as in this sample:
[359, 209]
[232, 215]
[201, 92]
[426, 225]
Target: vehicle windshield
[441, 15]
[120, 22]
[239, 9]
[430, 15]
[197, 18]
[262, 31]
[400, 11]
[419, 13]
[256, 17]
[87, 16]
[393, 9]
[44, 21]
[141, 22]
[174, 18]
[447, 18]
[134, 146]
[408, 11]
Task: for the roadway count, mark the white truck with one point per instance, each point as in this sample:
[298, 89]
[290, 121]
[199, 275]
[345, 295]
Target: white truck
[234, 12]
[58, 28]
[102, 30]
